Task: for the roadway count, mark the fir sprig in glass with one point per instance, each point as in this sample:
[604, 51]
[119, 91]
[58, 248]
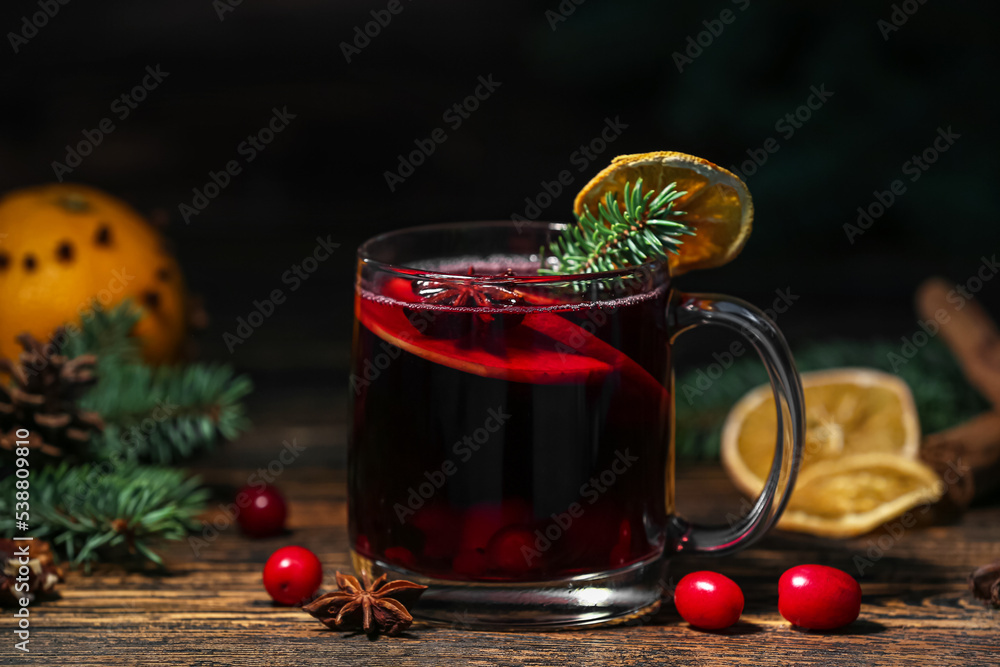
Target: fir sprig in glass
[644, 227]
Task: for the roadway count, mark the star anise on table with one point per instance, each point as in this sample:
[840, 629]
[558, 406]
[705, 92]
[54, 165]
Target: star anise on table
[372, 607]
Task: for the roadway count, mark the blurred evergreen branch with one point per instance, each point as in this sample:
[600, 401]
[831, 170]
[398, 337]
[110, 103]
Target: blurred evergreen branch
[156, 414]
[107, 334]
[942, 395]
[112, 503]
[115, 510]
[164, 415]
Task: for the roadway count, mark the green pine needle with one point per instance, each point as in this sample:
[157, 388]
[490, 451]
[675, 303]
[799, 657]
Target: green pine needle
[155, 414]
[106, 510]
[641, 228]
[106, 333]
[165, 414]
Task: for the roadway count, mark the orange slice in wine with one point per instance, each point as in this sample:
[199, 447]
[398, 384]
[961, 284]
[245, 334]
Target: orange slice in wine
[544, 348]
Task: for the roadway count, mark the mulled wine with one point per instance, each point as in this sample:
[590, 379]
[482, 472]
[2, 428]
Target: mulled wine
[505, 431]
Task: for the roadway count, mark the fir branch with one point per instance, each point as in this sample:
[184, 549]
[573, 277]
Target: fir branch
[154, 414]
[639, 229]
[166, 414]
[106, 333]
[86, 511]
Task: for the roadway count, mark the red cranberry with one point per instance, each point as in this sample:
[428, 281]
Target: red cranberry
[619, 556]
[470, 562]
[513, 551]
[481, 522]
[362, 545]
[818, 597]
[622, 551]
[592, 536]
[400, 556]
[292, 575]
[708, 600]
[266, 513]
[440, 528]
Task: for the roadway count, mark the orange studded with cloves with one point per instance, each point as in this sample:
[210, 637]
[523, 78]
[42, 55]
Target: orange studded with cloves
[64, 247]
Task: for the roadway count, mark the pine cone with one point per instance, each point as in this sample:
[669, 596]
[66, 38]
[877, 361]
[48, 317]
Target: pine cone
[43, 573]
[42, 399]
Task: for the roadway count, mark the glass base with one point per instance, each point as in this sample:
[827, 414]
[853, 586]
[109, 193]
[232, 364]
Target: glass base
[628, 595]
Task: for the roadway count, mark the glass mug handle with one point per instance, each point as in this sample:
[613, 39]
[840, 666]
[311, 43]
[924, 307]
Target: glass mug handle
[687, 311]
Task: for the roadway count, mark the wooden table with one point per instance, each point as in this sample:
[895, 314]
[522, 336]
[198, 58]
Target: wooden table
[212, 609]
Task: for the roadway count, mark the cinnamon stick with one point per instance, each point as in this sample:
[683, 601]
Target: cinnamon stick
[967, 458]
[969, 332]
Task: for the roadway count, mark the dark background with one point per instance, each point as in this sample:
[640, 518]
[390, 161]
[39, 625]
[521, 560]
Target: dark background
[324, 174]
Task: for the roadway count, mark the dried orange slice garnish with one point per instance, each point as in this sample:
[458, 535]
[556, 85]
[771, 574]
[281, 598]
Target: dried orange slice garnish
[717, 204]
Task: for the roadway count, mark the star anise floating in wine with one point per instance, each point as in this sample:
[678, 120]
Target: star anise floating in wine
[484, 302]
[467, 294]
[372, 607]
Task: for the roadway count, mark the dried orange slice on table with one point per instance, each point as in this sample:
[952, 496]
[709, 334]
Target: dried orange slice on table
[717, 205]
[859, 467]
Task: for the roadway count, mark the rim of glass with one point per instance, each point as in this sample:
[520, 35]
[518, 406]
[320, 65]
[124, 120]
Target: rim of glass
[411, 272]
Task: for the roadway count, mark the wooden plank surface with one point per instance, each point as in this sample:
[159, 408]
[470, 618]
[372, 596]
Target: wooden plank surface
[211, 609]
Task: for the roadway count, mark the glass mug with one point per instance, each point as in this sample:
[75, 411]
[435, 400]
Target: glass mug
[512, 435]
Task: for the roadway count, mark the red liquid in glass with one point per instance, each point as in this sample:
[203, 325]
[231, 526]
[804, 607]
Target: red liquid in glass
[509, 443]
